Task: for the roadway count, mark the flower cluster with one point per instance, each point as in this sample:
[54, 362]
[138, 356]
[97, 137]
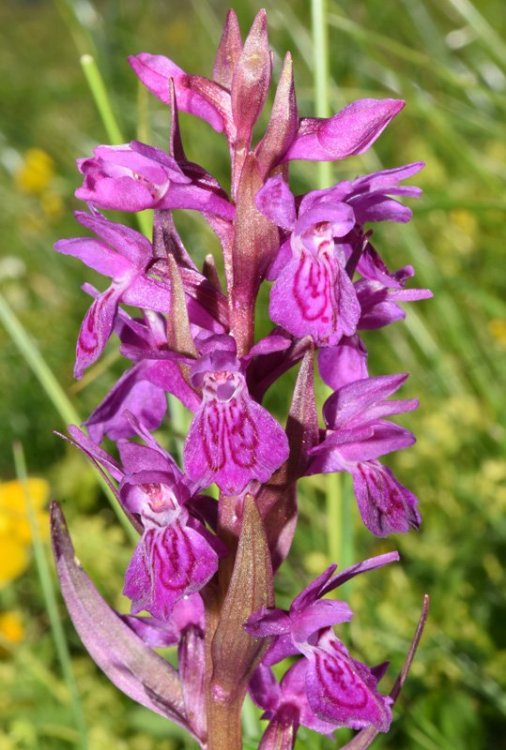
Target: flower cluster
[201, 575]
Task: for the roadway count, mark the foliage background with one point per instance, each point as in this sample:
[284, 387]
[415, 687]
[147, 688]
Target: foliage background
[447, 58]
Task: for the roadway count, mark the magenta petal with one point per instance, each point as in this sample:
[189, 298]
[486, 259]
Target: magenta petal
[233, 442]
[133, 245]
[370, 564]
[386, 178]
[282, 647]
[356, 399]
[167, 564]
[385, 438]
[340, 691]
[320, 614]
[351, 131]
[340, 216]
[96, 329]
[267, 621]
[264, 689]
[313, 296]
[294, 692]
[155, 71]
[312, 591]
[275, 200]
[121, 193]
[386, 506]
[96, 255]
[131, 394]
[283, 257]
[344, 363]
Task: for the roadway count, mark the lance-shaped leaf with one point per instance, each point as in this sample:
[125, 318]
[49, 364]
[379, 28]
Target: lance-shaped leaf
[277, 500]
[229, 50]
[255, 243]
[283, 123]
[251, 79]
[235, 654]
[365, 737]
[126, 660]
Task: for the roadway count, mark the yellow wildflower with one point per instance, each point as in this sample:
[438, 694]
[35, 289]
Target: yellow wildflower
[15, 529]
[497, 328]
[11, 627]
[36, 172]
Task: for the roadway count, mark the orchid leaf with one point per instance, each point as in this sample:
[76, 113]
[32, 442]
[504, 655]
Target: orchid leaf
[126, 660]
[235, 653]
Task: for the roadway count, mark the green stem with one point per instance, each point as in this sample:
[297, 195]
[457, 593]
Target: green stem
[101, 98]
[103, 103]
[37, 364]
[49, 594]
[55, 393]
[334, 500]
[339, 510]
[321, 75]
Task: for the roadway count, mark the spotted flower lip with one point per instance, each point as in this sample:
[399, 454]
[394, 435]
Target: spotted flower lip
[232, 439]
[312, 294]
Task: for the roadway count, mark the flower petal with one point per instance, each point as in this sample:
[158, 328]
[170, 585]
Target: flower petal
[168, 564]
[386, 506]
[350, 131]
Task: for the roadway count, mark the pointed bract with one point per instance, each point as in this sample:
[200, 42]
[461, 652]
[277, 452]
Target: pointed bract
[251, 79]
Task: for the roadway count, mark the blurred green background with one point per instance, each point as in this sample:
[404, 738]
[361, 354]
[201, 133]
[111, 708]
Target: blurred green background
[447, 58]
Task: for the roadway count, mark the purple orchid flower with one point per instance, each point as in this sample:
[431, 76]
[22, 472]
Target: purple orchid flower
[124, 255]
[311, 269]
[327, 689]
[232, 439]
[313, 295]
[135, 176]
[176, 555]
[356, 436]
[201, 575]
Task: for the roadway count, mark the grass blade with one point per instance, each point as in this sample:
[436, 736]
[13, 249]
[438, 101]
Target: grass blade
[55, 393]
[49, 594]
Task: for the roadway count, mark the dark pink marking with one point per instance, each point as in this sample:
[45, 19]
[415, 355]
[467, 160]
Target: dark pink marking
[340, 674]
[315, 279]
